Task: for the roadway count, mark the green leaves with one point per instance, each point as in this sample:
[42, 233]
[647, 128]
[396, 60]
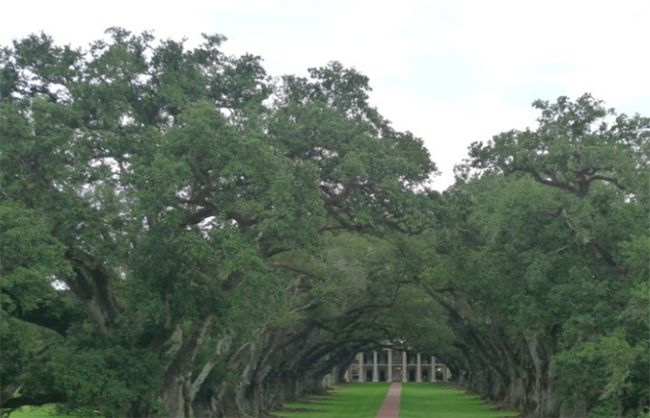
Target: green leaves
[159, 201]
[548, 263]
[32, 259]
[594, 372]
[158, 198]
[367, 171]
[574, 146]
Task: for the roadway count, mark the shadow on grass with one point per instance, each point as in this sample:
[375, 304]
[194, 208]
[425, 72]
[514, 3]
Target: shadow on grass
[349, 401]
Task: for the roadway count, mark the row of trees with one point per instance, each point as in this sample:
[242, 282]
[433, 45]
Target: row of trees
[183, 235]
[543, 264]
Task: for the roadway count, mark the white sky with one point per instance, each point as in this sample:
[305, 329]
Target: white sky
[451, 72]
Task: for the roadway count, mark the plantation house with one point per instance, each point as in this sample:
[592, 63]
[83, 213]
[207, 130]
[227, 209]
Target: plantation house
[390, 365]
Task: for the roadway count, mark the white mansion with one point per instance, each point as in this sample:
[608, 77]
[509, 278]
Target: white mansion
[390, 365]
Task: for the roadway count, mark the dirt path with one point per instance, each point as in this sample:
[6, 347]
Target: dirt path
[390, 407]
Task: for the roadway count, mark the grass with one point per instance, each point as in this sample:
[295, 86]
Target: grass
[350, 401]
[438, 401]
[47, 411]
[363, 401]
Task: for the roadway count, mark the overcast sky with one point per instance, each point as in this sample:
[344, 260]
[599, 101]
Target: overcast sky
[451, 72]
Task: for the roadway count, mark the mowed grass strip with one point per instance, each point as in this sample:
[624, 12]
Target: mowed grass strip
[350, 401]
[47, 411]
[438, 401]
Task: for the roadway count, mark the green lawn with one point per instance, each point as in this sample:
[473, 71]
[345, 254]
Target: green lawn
[37, 412]
[350, 401]
[438, 401]
[363, 401]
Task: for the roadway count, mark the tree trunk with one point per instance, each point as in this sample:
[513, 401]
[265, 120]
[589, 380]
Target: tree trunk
[177, 393]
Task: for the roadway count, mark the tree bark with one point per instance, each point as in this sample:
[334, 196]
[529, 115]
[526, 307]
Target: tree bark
[177, 391]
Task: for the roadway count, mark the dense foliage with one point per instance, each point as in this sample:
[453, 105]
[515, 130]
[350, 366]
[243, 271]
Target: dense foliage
[547, 251]
[184, 236]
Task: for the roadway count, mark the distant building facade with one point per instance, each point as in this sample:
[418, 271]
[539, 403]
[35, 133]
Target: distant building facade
[389, 365]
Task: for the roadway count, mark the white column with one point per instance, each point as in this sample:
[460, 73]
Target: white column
[418, 370]
[389, 375]
[404, 368]
[362, 376]
[375, 371]
[433, 369]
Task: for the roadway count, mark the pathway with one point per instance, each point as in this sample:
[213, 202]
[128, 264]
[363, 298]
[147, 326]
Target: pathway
[390, 407]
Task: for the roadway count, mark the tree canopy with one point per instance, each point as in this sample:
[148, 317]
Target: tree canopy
[183, 235]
